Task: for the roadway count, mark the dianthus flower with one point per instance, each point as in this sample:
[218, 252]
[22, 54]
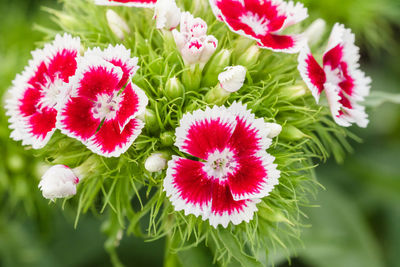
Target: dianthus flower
[340, 77]
[263, 21]
[102, 104]
[234, 171]
[34, 96]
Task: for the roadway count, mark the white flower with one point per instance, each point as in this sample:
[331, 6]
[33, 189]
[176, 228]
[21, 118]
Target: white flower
[156, 162]
[167, 14]
[58, 182]
[232, 78]
[117, 24]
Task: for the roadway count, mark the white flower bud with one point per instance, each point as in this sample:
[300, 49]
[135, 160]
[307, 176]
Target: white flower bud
[58, 182]
[179, 38]
[117, 24]
[315, 31]
[232, 78]
[274, 129]
[156, 162]
[167, 14]
[210, 45]
[192, 51]
[197, 28]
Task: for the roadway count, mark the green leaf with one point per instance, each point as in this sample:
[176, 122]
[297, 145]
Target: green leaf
[233, 245]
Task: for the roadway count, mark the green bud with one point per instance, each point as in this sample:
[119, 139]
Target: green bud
[15, 163]
[291, 133]
[217, 65]
[150, 118]
[294, 91]
[249, 57]
[217, 95]
[191, 78]
[174, 88]
[240, 45]
[167, 138]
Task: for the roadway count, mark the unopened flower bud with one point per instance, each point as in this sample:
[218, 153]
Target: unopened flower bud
[150, 119]
[217, 65]
[294, 91]
[179, 38]
[174, 88]
[315, 31]
[210, 45]
[156, 162]
[292, 133]
[232, 78]
[58, 182]
[192, 51]
[274, 129]
[167, 14]
[167, 138]
[117, 24]
[250, 56]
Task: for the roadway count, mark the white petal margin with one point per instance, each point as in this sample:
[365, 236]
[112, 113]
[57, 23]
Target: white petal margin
[85, 64]
[351, 55]
[18, 124]
[262, 128]
[118, 53]
[246, 215]
[175, 196]
[189, 120]
[131, 4]
[305, 75]
[216, 10]
[295, 13]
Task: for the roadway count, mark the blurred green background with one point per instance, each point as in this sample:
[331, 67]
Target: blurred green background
[357, 223]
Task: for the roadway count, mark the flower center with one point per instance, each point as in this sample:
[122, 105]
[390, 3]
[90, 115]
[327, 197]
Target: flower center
[106, 106]
[50, 93]
[258, 24]
[333, 76]
[220, 164]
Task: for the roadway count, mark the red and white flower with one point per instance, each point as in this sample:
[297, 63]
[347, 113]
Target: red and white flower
[103, 104]
[35, 92]
[195, 46]
[130, 3]
[233, 172]
[263, 21]
[340, 77]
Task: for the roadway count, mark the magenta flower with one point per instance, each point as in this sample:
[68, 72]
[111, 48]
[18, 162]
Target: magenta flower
[263, 21]
[102, 105]
[33, 97]
[130, 3]
[340, 77]
[233, 172]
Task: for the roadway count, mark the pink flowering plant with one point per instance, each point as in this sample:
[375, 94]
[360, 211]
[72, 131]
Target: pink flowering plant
[195, 121]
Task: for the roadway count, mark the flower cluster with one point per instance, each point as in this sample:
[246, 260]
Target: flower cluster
[193, 42]
[223, 171]
[90, 97]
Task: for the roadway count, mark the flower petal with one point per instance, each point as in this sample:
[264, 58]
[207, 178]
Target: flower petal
[75, 119]
[110, 141]
[119, 56]
[130, 3]
[203, 132]
[251, 134]
[224, 209]
[282, 43]
[188, 186]
[311, 72]
[133, 103]
[255, 178]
